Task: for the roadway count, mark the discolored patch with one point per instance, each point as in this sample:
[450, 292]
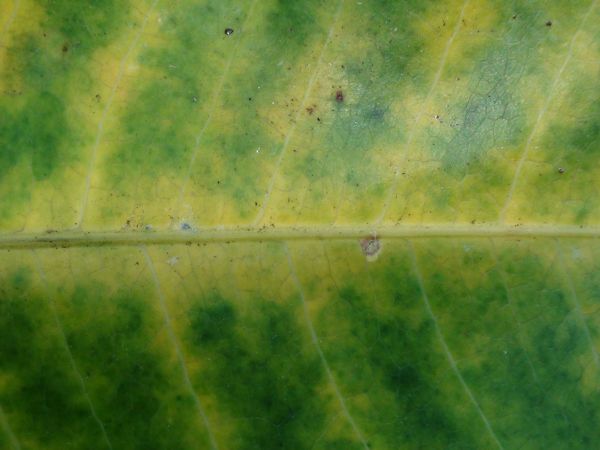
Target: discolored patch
[371, 247]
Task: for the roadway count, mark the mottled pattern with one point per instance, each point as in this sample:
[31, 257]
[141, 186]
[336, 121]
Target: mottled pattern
[320, 225]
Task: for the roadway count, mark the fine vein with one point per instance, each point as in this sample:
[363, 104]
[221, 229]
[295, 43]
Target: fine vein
[540, 116]
[14, 442]
[207, 122]
[9, 21]
[513, 311]
[447, 351]
[100, 129]
[290, 133]
[315, 340]
[178, 352]
[409, 139]
[65, 342]
[578, 309]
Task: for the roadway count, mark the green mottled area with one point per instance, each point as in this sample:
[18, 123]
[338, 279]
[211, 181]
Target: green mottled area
[520, 341]
[262, 372]
[343, 136]
[439, 344]
[44, 72]
[284, 36]
[39, 392]
[136, 388]
[384, 352]
[119, 368]
[572, 145]
[201, 81]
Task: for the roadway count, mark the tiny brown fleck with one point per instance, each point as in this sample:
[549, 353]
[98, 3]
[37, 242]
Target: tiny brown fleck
[65, 47]
[339, 96]
[549, 23]
[561, 170]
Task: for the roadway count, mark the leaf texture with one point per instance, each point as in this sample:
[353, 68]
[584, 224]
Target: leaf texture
[299, 224]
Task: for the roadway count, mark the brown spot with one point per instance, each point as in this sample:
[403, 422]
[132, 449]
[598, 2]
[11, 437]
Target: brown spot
[228, 31]
[65, 47]
[561, 170]
[311, 109]
[339, 96]
[549, 23]
[98, 97]
[371, 246]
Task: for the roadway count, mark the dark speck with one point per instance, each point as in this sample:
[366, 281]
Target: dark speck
[339, 96]
[186, 226]
[65, 47]
[549, 23]
[228, 31]
[561, 170]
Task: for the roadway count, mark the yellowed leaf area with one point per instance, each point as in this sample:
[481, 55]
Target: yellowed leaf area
[449, 113]
[273, 224]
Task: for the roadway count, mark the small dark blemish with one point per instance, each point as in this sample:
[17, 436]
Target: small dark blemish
[228, 31]
[549, 23]
[514, 17]
[65, 47]
[186, 226]
[249, 99]
[561, 170]
[98, 97]
[339, 96]
[311, 109]
[370, 246]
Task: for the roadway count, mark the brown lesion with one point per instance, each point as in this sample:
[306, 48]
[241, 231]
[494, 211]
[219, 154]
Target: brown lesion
[371, 247]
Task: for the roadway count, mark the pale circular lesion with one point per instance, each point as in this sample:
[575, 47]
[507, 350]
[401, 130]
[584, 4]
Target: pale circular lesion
[371, 247]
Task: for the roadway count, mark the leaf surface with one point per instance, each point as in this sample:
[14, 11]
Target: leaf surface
[336, 225]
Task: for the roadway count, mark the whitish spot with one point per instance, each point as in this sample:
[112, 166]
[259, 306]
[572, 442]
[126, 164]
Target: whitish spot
[371, 247]
[172, 261]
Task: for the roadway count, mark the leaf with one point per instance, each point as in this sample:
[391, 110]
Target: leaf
[320, 225]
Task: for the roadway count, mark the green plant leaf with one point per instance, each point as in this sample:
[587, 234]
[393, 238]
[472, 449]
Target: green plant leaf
[299, 224]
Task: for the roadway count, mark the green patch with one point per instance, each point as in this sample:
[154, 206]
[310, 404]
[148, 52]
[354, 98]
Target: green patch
[137, 390]
[85, 25]
[40, 394]
[384, 346]
[261, 371]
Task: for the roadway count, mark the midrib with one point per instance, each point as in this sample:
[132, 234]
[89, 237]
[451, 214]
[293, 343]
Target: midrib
[78, 238]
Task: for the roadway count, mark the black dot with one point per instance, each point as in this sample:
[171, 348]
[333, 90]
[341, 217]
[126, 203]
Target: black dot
[228, 31]
[549, 23]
